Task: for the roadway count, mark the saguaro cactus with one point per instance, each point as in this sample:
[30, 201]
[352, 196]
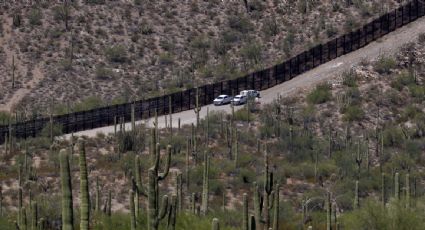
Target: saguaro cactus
[215, 224]
[205, 184]
[262, 207]
[97, 203]
[252, 224]
[156, 213]
[34, 215]
[328, 212]
[172, 213]
[383, 189]
[197, 108]
[245, 224]
[179, 191]
[133, 224]
[356, 195]
[133, 118]
[67, 211]
[396, 186]
[1, 202]
[276, 207]
[187, 164]
[84, 189]
[407, 190]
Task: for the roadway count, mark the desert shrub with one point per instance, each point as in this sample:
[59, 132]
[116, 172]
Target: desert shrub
[252, 52]
[421, 38]
[56, 130]
[240, 23]
[288, 42]
[146, 28]
[103, 73]
[61, 13]
[353, 113]
[372, 215]
[350, 78]
[220, 47]
[270, 27]
[200, 43]
[165, 59]
[230, 36]
[116, 53]
[384, 64]
[6, 224]
[4, 117]
[88, 103]
[393, 136]
[417, 91]
[320, 94]
[411, 112]
[35, 16]
[17, 19]
[404, 79]
[331, 31]
[242, 115]
[99, 2]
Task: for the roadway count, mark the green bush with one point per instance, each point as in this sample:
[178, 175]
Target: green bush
[103, 73]
[35, 16]
[384, 65]
[404, 79]
[240, 23]
[116, 53]
[353, 113]
[417, 91]
[252, 52]
[320, 94]
[165, 59]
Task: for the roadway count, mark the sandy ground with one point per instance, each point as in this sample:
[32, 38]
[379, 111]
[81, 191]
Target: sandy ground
[388, 45]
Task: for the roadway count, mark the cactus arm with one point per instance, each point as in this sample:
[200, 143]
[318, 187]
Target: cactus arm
[84, 189]
[163, 175]
[157, 155]
[164, 208]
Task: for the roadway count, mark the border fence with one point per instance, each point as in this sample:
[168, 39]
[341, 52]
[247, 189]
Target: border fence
[260, 80]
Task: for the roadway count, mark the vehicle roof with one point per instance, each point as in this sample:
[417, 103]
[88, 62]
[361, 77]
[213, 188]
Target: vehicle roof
[239, 95]
[223, 95]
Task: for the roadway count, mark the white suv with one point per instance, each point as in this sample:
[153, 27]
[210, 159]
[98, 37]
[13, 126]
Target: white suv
[239, 100]
[250, 93]
[222, 100]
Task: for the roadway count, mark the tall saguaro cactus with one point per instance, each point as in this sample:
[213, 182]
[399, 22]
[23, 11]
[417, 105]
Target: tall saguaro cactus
[156, 213]
[396, 186]
[407, 186]
[34, 215]
[328, 212]
[245, 224]
[356, 195]
[205, 184]
[276, 207]
[262, 207]
[67, 211]
[383, 189]
[133, 223]
[84, 189]
[197, 108]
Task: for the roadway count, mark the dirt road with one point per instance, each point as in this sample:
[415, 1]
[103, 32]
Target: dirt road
[387, 45]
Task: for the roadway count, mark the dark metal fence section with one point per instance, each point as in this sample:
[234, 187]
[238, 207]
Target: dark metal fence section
[259, 80]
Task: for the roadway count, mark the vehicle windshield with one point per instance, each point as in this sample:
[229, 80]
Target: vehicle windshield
[238, 97]
[221, 97]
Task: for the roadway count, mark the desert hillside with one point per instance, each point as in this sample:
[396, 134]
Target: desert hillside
[80, 54]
